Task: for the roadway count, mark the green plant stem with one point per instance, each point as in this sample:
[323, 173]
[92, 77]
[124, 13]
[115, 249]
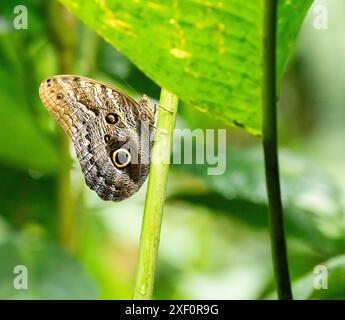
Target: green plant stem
[87, 54]
[66, 235]
[85, 65]
[154, 204]
[62, 28]
[270, 145]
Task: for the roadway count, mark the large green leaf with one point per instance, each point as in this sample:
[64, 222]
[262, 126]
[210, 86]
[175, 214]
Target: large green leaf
[209, 53]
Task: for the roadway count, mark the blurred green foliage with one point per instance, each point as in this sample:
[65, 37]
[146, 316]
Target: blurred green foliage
[214, 238]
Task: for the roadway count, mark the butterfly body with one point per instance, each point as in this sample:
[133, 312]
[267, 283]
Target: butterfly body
[110, 131]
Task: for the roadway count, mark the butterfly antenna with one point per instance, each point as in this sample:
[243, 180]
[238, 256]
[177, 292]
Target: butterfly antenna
[126, 83]
[165, 109]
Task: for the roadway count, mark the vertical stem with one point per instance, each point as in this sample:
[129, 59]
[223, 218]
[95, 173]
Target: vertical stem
[88, 48]
[66, 217]
[85, 65]
[270, 145]
[154, 204]
[62, 29]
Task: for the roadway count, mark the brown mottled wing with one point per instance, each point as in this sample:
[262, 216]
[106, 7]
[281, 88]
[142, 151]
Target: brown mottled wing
[100, 120]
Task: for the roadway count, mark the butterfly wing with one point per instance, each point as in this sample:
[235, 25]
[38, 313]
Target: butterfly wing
[110, 132]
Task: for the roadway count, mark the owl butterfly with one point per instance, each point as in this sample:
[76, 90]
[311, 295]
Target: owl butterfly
[110, 131]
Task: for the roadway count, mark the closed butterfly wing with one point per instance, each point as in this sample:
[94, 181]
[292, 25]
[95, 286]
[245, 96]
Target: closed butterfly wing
[110, 131]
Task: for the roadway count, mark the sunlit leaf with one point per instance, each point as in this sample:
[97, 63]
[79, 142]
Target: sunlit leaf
[209, 53]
